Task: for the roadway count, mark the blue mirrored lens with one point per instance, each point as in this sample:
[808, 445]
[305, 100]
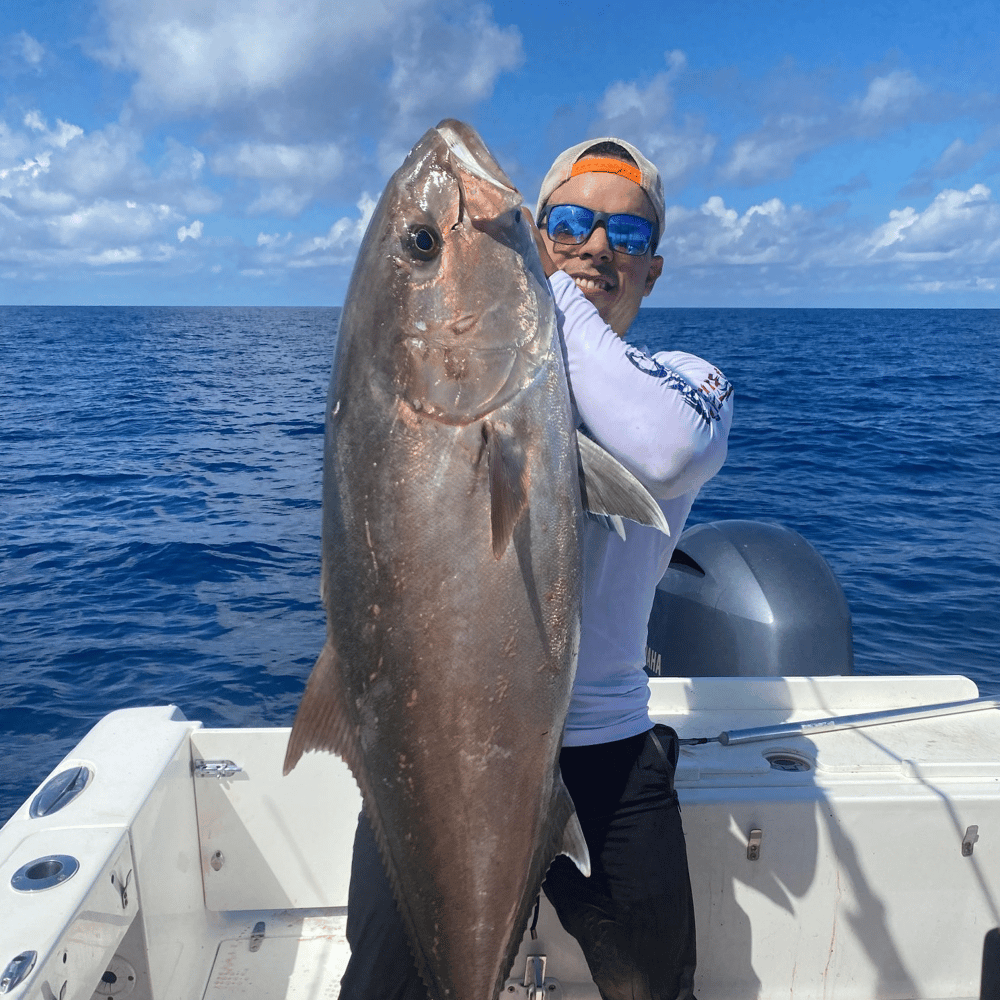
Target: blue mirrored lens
[573, 224]
[570, 223]
[629, 233]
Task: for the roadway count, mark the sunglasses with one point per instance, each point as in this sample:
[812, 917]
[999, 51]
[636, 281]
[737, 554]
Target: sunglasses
[572, 225]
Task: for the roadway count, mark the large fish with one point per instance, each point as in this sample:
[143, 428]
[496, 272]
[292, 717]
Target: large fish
[451, 510]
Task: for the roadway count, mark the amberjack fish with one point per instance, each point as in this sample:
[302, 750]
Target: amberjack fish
[451, 566]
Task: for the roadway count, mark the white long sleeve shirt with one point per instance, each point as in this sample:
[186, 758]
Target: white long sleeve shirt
[666, 418]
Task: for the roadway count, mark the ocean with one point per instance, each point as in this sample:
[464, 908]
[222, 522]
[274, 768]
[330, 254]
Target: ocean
[160, 497]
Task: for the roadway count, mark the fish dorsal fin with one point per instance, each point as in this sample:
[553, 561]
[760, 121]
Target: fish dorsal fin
[567, 830]
[321, 722]
[609, 488]
[508, 492]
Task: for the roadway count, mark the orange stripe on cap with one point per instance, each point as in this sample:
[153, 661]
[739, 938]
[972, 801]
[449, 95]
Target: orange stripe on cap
[606, 165]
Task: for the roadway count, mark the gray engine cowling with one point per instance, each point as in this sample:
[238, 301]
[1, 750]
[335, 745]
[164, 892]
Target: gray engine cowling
[748, 599]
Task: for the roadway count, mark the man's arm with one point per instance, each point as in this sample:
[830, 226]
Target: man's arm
[666, 419]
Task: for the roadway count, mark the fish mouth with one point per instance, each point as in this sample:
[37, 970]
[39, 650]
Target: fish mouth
[487, 194]
[470, 151]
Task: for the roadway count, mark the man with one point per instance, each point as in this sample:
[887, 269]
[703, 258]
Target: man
[666, 418]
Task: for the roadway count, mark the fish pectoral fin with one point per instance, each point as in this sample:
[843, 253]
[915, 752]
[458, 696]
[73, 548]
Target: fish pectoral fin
[574, 844]
[321, 722]
[508, 493]
[609, 488]
[566, 825]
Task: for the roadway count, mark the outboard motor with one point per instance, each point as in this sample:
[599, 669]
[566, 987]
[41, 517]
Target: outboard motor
[748, 599]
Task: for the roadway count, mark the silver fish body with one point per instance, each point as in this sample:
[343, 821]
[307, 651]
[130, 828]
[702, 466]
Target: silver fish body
[451, 512]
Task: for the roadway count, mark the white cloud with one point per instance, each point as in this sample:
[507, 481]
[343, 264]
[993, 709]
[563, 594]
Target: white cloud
[281, 199]
[715, 233]
[803, 124]
[962, 224]
[116, 255]
[772, 152]
[772, 251]
[272, 75]
[890, 102]
[891, 231]
[275, 255]
[182, 162]
[217, 52]
[890, 96]
[963, 285]
[274, 240]
[14, 144]
[442, 62]
[61, 136]
[957, 225]
[286, 68]
[109, 222]
[268, 77]
[644, 116]
[292, 175]
[33, 201]
[69, 197]
[956, 158]
[39, 164]
[279, 161]
[192, 232]
[31, 50]
[455, 59]
[341, 242]
[106, 162]
[18, 177]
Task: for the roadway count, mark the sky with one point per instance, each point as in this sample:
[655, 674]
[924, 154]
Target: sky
[230, 152]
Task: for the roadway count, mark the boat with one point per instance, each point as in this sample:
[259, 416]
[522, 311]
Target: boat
[843, 836]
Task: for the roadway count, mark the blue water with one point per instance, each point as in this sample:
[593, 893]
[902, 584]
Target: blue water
[160, 497]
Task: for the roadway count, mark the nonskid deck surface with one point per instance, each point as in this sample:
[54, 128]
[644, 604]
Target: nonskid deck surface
[302, 955]
[858, 864]
[294, 955]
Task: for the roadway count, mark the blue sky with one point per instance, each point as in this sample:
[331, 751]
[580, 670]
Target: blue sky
[229, 151]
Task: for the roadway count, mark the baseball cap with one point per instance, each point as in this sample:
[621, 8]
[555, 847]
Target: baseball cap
[562, 169]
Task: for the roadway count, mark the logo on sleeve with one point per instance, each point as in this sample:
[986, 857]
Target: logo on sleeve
[706, 399]
[645, 363]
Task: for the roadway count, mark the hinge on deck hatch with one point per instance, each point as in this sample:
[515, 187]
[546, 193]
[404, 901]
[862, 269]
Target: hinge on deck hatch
[257, 936]
[215, 768]
[753, 845]
[534, 986]
[969, 841]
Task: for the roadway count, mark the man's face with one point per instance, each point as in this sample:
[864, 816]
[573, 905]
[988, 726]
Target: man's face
[614, 282]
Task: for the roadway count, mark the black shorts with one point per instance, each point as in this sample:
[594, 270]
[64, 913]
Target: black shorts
[634, 916]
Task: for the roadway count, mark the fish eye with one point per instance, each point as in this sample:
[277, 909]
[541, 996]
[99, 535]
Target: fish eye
[423, 243]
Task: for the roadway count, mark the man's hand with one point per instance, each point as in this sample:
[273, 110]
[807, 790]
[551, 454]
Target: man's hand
[543, 251]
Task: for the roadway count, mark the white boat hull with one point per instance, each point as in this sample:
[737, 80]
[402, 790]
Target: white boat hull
[873, 872]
